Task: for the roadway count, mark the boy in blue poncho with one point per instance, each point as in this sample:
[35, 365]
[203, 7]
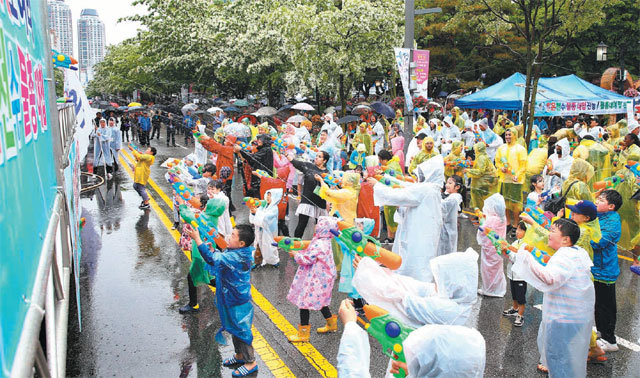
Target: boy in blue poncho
[232, 269]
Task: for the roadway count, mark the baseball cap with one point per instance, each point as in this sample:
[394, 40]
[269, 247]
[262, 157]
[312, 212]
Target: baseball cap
[587, 208]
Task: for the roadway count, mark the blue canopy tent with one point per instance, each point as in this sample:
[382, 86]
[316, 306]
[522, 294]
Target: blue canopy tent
[564, 95]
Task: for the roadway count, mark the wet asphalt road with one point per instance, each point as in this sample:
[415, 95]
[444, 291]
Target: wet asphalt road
[133, 280]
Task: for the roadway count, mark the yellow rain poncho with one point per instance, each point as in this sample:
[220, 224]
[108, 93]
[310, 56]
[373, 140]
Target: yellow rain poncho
[421, 123]
[363, 137]
[451, 160]
[484, 177]
[597, 155]
[424, 153]
[513, 158]
[499, 127]
[537, 236]
[581, 171]
[457, 118]
[536, 162]
[629, 216]
[345, 200]
[390, 211]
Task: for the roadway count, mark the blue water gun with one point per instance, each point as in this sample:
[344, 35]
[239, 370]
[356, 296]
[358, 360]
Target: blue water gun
[194, 172]
[63, 60]
[538, 215]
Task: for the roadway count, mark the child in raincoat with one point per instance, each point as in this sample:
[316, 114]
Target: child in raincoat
[568, 302]
[265, 221]
[518, 286]
[232, 271]
[629, 209]
[313, 283]
[397, 148]
[494, 283]
[484, 177]
[391, 164]
[357, 157]
[450, 207]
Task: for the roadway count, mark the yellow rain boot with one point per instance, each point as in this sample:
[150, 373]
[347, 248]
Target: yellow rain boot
[332, 325]
[301, 336]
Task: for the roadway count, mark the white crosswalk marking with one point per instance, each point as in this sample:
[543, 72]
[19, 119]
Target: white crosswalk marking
[622, 342]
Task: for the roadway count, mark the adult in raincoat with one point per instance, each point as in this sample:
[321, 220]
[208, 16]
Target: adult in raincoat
[450, 161]
[568, 301]
[266, 224]
[397, 149]
[262, 159]
[448, 134]
[629, 216]
[199, 150]
[363, 137]
[450, 208]
[419, 216]
[428, 151]
[102, 156]
[558, 166]
[492, 140]
[116, 142]
[595, 154]
[576, 187]
[447, 300]
[511, 162]
[433, 130]
[484, 176]
[494, 283]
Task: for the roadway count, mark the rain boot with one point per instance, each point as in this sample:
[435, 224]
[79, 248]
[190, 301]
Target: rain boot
[332, 325]
[302, 335]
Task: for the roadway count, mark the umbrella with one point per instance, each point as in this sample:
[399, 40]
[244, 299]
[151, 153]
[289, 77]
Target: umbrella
[297, 118]
[251, 118]
[348, 119]
[134, 108]
[384, 109]
[231, 109]
[132, 104]
[265, 111]
[238, 130]
[339, 108]
[433, 103]
[241, 103]
[123, 108]
[214, 109]
[200, 112]
[361, 109]
[286, 107]
[114, 104]
[188, 107]
[330, 109]
[302, 106]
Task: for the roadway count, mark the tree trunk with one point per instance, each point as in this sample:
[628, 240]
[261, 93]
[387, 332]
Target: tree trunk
[527, 92]
[536, 71]
[343, 100]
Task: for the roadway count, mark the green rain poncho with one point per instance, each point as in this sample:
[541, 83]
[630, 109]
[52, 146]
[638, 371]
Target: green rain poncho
[484, 178]
[628, 212]
[363, 137]
[450, 160]
[582, 172]
[598, 156]
[424, 154]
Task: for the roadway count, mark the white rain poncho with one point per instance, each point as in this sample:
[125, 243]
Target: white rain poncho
[567, 308]
[433, 132]
[102, 147]
[494, 283]
[448, 301]
[199, 150]
[448, 134]
[419, 217]
[378, 137]
[430, 351]
[224, 220]
[493, 141]
[449, 234]
[561, 165]
[266, 221]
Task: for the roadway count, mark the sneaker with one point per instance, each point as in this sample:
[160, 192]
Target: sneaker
[519, 321]
[186, 309]
[607, 346]
[510, 312]
[145, 206]
[175, 225]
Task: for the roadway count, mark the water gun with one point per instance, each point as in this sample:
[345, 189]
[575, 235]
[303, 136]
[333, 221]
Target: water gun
[197, 134]
[290, 244]
[538, 215]
[262, 173]
[332, 180]
[194, 172]
[549, 165]
[546, 195]
[616, 160]
[540, 256]
[505, 163]
[389, 331]
[459, 163]
[282, 145]
[366, 246]
[395, 174]
[477, 137]
[63, 60]
[391, 181]
[254, 203]
[173, 163]
[308, 145]
[134, 148]
[183, 190]
[478, 214]
[608, 183]
[499, 243]
[635, 268]
[205, 227]
[248, 147]
[634, 167]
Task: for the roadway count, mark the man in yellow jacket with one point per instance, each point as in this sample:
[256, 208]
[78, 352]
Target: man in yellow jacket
[511, 163]
[142, 172]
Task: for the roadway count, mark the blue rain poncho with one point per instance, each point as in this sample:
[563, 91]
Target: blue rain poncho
[102, 146]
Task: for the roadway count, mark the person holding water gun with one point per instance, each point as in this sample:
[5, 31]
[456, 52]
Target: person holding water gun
[511, 162]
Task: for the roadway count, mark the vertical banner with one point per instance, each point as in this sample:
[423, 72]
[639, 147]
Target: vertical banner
[84, 115]
[421, 61]
[72, 191]
[402, 59]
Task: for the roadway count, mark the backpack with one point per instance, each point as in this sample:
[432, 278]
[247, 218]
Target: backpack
[556, 203]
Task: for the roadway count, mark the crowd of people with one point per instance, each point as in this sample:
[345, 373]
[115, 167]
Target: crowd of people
[558, 210]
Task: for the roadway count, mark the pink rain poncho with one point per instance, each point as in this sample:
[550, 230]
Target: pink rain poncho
[397, 147]
[494, 283]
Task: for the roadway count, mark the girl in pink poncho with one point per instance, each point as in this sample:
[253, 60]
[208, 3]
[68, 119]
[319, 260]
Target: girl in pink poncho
[397, 147]
[312, 285]
[494, 283]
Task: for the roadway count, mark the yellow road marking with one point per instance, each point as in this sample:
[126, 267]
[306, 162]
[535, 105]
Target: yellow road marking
[273, 361]
[315, 358]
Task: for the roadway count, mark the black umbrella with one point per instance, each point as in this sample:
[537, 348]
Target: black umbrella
[348, 119]
[384, 109]
[286, 107]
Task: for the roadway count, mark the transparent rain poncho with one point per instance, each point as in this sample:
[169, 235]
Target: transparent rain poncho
[491, 264]
[484, 177]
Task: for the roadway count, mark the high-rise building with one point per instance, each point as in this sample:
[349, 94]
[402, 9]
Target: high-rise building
[61, 25]
[91, 42]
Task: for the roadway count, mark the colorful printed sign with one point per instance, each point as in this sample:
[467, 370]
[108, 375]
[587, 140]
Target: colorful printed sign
[27, 170]
[421, 60]
[562, 108]
[402, 60]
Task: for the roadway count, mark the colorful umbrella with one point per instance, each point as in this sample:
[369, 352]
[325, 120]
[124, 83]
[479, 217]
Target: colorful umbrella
[361, 109]
[238, 130]
[132, 104]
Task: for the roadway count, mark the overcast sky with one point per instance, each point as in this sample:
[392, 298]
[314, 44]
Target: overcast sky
[109, 12]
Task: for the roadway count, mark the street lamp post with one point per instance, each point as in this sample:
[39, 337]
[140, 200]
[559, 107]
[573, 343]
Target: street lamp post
[601, 56]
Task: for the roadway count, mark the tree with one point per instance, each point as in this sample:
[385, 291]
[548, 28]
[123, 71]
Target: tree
[546, 27]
